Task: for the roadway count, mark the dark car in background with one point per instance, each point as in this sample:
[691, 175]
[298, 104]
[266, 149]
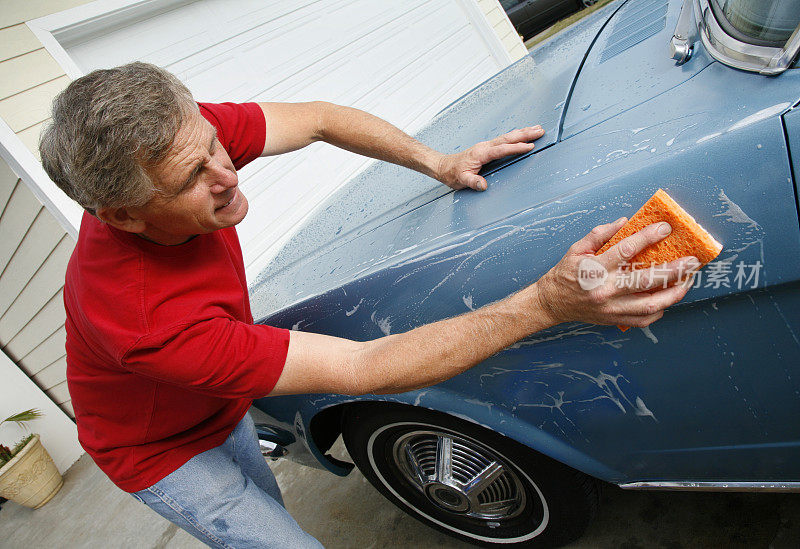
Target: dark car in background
[531, 16]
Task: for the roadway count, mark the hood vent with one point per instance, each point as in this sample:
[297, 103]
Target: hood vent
[635, 22]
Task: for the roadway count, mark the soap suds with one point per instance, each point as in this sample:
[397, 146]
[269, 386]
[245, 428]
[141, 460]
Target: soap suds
[352, 311]
[733, 212]
[467, 299]
[649, 333]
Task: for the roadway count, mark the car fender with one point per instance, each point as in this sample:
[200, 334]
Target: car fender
[306, 450]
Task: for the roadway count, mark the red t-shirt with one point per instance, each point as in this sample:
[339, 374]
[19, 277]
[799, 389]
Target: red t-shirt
[163, 358]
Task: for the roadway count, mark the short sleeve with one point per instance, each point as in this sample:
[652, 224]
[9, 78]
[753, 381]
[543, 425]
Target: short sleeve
[240, 128]
[220, 357]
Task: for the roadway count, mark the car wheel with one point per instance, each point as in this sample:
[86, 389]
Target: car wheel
[466, 480]
[586, 3]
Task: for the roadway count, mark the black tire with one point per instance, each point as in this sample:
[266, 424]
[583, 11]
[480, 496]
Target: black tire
[585, 3]
[546, 504]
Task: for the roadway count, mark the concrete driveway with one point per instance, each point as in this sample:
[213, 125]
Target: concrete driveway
[90, 512]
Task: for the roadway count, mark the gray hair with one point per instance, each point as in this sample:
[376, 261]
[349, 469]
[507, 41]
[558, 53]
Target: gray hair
[108, 128]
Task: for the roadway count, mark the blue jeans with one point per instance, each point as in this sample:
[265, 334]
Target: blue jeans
[228, 497]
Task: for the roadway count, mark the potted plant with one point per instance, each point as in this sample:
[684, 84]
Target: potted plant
[28, 475]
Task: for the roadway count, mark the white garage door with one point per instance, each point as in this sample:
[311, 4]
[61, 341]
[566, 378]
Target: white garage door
[402, 60]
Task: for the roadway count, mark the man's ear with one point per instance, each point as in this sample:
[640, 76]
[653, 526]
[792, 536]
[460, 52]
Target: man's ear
[121, 218]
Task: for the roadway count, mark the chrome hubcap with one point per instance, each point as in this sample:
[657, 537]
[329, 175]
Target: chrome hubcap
[459, 475]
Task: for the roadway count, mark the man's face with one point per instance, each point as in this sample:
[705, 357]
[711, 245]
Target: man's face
[198, 187]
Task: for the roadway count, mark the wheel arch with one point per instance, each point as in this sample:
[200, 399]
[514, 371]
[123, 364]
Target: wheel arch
[530, 496]
[326, 424]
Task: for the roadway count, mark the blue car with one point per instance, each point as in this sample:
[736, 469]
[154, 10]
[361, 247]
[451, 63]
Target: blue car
[699, 98]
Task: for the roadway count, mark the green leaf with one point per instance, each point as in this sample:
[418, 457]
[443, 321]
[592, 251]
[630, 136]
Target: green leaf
[23, 417]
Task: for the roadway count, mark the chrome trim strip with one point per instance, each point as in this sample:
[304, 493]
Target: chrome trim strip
[741, 55]
[706, 486]
[791, 49]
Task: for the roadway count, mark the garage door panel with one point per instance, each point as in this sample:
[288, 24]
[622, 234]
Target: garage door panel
[281, 45]
[280, 69]
[282, 201]
[187, 29]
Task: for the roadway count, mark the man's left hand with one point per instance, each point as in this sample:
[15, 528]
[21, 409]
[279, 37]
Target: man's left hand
[460, 170]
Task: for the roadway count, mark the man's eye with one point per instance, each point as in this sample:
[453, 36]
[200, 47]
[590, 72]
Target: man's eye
[189, 186]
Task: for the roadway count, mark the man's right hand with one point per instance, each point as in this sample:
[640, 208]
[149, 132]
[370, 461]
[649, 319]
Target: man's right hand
[623, 297]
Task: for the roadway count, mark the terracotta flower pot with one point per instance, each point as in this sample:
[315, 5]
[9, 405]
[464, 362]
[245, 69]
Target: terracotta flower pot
[30, 478]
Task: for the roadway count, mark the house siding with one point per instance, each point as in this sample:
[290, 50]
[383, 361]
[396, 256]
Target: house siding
[29, 76]
[497, 18]
[16, 12]
[34, 252]
[35, 248]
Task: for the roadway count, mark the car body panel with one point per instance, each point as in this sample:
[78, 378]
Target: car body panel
[710, 392]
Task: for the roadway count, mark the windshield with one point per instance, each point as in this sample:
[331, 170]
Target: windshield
[760, 22]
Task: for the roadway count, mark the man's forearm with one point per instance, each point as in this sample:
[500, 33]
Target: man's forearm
[436, 352]
[292, 126]
[368, 135]
[317, 363]
[424, 356]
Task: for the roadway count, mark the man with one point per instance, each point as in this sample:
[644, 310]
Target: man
[163, 357]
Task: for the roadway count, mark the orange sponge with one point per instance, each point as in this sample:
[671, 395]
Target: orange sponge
[687, 236]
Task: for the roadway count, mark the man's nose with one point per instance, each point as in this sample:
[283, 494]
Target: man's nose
[224, 178]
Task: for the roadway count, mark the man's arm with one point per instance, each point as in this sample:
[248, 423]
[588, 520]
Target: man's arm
[435, 352]
[292, 126]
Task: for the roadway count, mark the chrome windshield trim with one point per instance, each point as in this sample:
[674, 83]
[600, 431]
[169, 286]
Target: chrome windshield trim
[706, 486]
[725, 48]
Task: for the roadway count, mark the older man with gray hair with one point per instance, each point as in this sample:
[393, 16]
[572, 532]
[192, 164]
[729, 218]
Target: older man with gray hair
[163, 356]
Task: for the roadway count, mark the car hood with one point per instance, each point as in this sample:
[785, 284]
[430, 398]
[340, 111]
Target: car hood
[534, 90]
